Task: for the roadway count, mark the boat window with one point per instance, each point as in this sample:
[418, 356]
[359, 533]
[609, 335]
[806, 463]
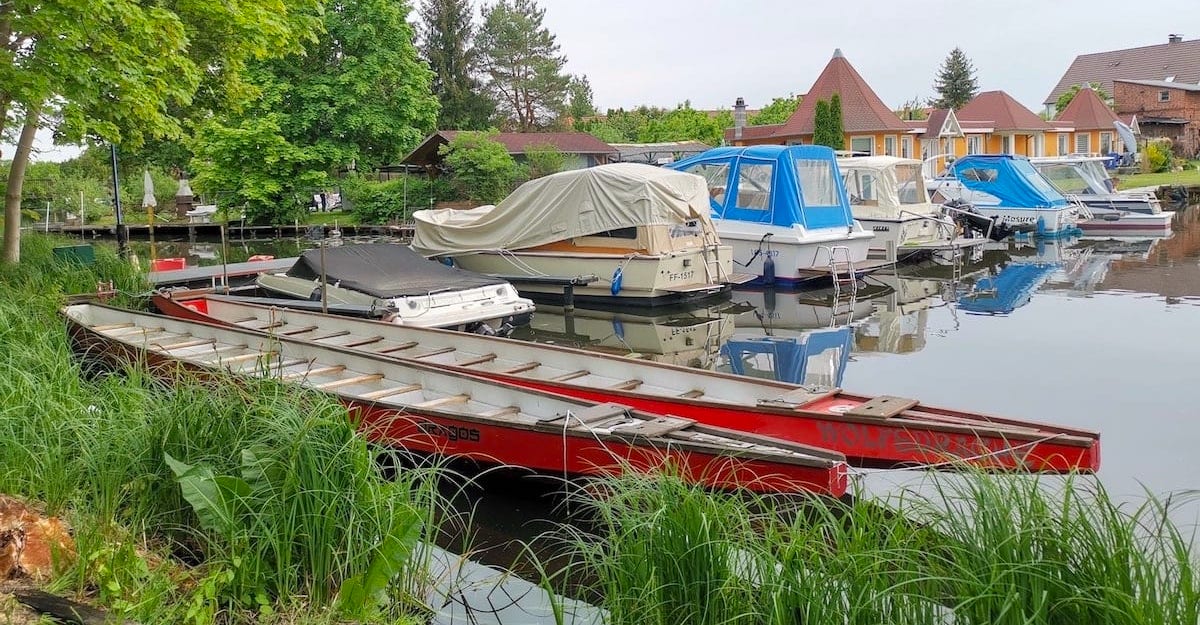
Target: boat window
[754, 185]
[860, 185]
[910, 181]
[689, 229]
[1065, 177]
[818, 184]
[619, 233]
[978, 174]
[1038, 181]
[716, 175]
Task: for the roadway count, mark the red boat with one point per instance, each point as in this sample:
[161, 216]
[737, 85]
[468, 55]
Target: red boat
[435, 411]
[881, 432]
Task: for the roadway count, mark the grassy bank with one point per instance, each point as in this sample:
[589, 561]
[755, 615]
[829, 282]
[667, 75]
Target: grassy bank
[1189, 176]
[191, 503]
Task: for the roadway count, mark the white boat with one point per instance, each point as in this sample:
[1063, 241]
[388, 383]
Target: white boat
[1083, 179]
[1007, 189]
[394, 282]
[784, 211]
[888, 197]
[616, 234]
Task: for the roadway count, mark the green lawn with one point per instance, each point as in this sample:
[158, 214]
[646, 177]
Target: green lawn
[1189, 176]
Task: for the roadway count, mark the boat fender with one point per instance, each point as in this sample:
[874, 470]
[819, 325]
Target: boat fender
[447, 261]
[1041, 226]
[616, 281]
[769, 270]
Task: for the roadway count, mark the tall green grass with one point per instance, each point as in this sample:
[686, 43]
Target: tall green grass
[192, 501]
[974, 549]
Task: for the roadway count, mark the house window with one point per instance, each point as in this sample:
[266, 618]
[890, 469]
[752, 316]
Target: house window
[1006, 144]
[889, 145]
[1034, 145]
[1083, 142]
[906, 147]
[1164, 96]
[865, 145]
[974, 144]
[1106, 143]
[1064, 144]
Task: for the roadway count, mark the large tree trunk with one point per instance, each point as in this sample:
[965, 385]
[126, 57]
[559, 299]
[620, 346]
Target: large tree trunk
[16, 178]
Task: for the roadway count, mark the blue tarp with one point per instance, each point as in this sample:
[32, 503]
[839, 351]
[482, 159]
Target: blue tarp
[789, 356]
[1011, 179]
[1008, 290]
[774, 184]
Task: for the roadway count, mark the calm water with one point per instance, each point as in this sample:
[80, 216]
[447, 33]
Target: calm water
[1099, 334]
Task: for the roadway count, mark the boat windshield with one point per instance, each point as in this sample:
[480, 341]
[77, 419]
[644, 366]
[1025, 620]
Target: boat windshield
[910, 183]
[1066, 177]
[1094, 172]
[818, 184]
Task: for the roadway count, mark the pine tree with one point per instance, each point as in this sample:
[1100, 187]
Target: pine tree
[956, 83]
[523, 64]
[446, 34]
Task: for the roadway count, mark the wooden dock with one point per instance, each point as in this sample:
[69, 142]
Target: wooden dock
[232, 230]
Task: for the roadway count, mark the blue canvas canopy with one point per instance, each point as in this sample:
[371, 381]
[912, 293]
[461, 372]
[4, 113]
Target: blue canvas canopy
[1010, 179]
[1008, 290]
[789, 356]
[774, 184]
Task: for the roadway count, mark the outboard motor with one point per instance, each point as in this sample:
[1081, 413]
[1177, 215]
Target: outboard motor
[975, 224]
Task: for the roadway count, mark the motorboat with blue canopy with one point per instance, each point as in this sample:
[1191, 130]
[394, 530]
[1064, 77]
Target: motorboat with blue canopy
[1006, 291]
[783, 209]
[1010, 191]
[817, 358]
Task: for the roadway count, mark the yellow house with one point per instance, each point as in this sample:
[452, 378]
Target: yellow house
[870, 126]
[1086, 126]
[995, 123]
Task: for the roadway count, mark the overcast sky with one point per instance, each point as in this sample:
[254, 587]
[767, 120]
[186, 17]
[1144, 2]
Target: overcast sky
[662, 52]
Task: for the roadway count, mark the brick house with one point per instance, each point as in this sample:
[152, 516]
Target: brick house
[1175, 61]
[870, 126]
[1162, 108]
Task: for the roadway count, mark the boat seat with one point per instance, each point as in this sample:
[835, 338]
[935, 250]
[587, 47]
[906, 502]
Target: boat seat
[522, 368]
[358, 379]
[627, 385]
[797, 397]
[882, 407]
[299, 330]
[397, 348]
[655, 427]
[444, 401]
[361, 342]
[476, 361]
[388, 392]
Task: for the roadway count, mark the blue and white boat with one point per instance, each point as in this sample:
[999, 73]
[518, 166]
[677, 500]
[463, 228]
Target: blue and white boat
[1010, 191]
[782, 203]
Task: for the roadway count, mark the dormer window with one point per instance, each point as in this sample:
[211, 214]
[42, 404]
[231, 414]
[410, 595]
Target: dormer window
[1170, 78]
[1164, 96]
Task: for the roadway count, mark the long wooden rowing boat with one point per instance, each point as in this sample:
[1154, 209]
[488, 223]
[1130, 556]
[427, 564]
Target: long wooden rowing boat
[882, 431]
[430, 410]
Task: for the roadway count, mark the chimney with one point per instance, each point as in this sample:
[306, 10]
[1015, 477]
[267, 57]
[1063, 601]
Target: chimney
[1173, 38]
[739, 118]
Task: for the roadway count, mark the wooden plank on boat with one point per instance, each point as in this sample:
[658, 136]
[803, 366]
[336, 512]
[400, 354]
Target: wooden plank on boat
[592, 414]
[444, 401]
[299, 330]
[436, 352]
[388, 392]
[659, 426]
[112, 326]
[692, 394]
[798, 397]
[361, 342]
[571, 376]
[500, 412]
[358, 379]
[311, 372]
[191, 343]
[883, 407]
[332, 335]
[476, 361]
[269, 326]
[522, 368]
[243, 357]
[758, 439]
[397, 348]
[289, 363]
[627, 385]
[130, 331]
[244, 320]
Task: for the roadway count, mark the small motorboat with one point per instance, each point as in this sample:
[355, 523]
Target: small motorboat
[431, 410]
[1083, 179]
[882, 431]
[400, 285]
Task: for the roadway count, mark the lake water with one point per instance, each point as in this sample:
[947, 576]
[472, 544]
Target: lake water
[1099, 334]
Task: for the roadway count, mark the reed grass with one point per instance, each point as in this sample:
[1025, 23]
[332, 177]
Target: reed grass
[196, 502]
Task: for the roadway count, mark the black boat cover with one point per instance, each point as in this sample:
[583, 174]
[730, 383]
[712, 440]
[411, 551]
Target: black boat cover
[386, 270]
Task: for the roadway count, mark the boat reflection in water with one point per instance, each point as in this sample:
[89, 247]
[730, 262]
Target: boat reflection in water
[900, 318]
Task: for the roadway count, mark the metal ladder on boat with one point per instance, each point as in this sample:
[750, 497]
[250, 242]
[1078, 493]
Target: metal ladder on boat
[841, 270]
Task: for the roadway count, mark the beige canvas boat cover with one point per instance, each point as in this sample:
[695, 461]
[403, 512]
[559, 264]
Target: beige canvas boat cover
[882, 186]
[566, 205]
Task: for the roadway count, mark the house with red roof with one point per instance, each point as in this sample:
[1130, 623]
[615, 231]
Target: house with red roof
[870, 126]
[1086, 126]
[993, 122]
[581, 149]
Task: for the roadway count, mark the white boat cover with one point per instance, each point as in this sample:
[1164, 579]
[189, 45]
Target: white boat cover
[566, 205]
[882, 186]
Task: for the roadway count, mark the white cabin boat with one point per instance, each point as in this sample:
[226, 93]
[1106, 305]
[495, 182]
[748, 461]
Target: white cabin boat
[1083, 179]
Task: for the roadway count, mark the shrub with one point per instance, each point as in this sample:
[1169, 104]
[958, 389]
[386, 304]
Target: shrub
[544, 159]
[483, 169]
[1158, 156]
[392, 200]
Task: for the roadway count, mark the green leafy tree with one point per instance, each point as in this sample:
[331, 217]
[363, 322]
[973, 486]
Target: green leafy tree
[522, 62]
[252, 166]
[777, 112]
[620, 125]
[956, 83]
[124, 71]
[579, 96]
[687, 124]
[544, 159]
[483, 169]
[912, 109]
[1069, 94]
[446, 43]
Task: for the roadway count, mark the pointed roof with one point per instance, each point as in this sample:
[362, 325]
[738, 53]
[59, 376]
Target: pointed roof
[1087, 111]
[943, 123]
[862, 110]
[1177, 58]
[1002, 112]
